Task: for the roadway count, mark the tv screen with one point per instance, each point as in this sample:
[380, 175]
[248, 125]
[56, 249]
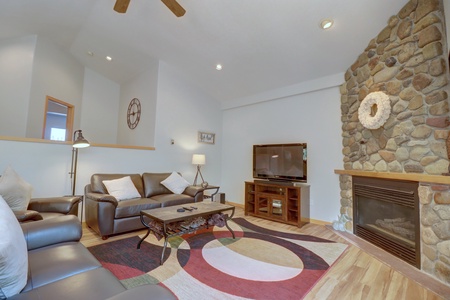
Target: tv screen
[280, 162]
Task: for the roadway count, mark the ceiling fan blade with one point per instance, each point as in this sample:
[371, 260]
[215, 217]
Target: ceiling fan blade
[176, 8]
[121, 6]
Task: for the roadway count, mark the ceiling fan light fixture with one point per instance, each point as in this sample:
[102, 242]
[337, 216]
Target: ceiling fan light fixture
[218, 67]
[326, 24]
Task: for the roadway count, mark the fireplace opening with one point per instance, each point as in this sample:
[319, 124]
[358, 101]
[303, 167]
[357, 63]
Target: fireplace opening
[386, 214]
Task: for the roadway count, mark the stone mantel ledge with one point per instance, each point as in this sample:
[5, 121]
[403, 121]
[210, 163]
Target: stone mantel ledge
[425, 178]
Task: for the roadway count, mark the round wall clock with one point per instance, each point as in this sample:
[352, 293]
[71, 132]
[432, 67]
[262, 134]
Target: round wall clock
[133, 113]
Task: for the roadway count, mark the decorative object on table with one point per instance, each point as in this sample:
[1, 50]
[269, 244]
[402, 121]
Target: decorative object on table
[133, 113]
[374, 110]
[199, 160]
[206, 137]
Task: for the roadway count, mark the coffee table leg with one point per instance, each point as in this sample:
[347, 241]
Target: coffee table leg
[163, 251]
[229, 229]
[148, 231]
[226, 223]
[140, 242]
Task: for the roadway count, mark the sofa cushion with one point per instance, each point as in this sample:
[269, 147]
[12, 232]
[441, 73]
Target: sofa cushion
[15, 190]
[97, 283]
[173, 199]
[175, 183]
[122, 188]
[97, 185]
[13, 253]
[152, 184]
[56, 262]
[133, 207]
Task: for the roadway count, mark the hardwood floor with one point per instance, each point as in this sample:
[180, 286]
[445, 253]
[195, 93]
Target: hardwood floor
[358, 274]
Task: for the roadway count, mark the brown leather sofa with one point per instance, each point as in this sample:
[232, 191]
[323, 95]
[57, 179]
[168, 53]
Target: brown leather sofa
[107, 216]
[60, 267]
[44, 208]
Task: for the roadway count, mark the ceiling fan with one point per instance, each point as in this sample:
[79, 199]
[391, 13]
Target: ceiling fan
[122, 5]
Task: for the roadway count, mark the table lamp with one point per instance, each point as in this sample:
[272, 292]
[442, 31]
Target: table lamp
[199, 160]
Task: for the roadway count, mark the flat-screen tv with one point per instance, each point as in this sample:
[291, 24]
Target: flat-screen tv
[286, 162]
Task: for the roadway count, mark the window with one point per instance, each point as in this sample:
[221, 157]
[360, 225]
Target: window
[58, 120]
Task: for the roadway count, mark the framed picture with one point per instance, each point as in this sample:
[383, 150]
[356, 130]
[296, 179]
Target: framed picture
[206, 137]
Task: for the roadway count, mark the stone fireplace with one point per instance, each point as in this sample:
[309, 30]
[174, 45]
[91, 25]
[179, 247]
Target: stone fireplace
[386, 213]
[408, 62]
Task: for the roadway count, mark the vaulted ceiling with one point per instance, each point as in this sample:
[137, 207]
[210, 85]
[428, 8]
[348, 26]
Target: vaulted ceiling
[262, 44]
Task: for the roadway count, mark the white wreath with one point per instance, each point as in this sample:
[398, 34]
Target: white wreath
[382, 104]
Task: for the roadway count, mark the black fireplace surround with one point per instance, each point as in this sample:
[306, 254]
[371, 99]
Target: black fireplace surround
[386, 214]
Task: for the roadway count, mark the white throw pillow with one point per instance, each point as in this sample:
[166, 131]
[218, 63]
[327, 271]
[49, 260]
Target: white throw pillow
[13, 253]
[122, 188]
[175, 183]
[14, 190]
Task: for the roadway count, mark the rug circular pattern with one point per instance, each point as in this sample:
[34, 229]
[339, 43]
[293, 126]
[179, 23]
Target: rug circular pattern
[210, 264]
[270, 272]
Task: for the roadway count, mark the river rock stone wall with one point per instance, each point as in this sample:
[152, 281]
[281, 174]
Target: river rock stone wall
[407, 61]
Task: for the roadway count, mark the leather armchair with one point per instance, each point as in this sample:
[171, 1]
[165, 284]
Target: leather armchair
[60, 267]
[44, 208]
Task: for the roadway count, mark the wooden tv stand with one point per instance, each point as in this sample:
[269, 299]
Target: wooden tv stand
[278, 201]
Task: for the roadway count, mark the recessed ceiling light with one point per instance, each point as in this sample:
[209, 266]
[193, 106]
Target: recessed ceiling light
[109, 58]
[326, 24]
[218, 67]
[90, 53]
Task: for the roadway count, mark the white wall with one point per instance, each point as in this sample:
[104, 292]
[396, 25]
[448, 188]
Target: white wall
[144, 87]
[58, 74]
[181, 111]
[16, 62]
[100, 108]
[310, 117]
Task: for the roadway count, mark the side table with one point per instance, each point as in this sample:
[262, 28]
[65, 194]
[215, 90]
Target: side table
[211, 187]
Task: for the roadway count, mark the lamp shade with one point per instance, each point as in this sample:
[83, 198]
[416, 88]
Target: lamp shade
[79, 141]
[198, 159]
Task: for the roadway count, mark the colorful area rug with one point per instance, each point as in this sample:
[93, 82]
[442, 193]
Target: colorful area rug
[259, 264]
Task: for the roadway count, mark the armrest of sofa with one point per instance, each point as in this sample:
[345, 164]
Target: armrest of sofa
[152, 291]
[27, 215]
[195, 191]
[102, 198]
[54, 204]
[52, 231]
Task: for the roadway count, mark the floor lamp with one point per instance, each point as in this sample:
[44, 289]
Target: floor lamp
[78, 142]
[199, 160]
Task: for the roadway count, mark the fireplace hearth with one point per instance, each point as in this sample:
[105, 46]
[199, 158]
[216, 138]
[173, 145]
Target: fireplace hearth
[386, 214]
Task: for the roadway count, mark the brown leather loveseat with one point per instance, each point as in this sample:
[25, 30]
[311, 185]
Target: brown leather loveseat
[107, 216]
[60, 267]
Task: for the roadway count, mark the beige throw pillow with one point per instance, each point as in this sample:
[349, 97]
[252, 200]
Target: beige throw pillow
[13, 253]
[175, 183]
[14, 190]
[122, 188]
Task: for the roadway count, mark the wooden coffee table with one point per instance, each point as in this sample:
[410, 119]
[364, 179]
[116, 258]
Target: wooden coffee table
[168, 216]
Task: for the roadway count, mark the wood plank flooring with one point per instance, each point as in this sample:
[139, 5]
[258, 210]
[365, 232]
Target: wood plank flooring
[358, 274]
